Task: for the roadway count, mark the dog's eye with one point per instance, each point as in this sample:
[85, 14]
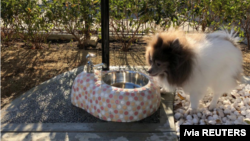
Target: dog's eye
[158, 64]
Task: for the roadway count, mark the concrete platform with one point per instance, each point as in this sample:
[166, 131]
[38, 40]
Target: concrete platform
[46, 113]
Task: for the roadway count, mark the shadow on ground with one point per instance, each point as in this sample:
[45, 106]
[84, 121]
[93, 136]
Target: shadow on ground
[23, 69]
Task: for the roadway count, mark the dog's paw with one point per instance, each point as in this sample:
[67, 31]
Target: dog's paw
[163, 91]
[191, 111]
[211, 107]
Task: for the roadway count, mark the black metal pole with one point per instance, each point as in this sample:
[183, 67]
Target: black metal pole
[105, 32]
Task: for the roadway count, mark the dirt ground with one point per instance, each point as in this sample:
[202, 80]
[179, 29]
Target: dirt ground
[23, 68]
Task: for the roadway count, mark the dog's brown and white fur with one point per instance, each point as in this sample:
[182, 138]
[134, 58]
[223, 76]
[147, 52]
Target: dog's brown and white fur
[195, 62]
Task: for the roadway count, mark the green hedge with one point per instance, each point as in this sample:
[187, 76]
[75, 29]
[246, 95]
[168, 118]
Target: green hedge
[25, 19]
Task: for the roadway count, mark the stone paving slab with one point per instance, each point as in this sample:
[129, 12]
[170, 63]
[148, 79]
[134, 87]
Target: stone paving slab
[166, 124]
[78, 136]
[163, 131]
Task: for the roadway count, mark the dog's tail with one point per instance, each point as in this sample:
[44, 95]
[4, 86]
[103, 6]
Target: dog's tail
[232, 35]
[225, 34]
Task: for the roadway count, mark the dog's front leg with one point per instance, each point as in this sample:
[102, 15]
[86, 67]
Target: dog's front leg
[194, 102]
[165, 86]
[161, 83]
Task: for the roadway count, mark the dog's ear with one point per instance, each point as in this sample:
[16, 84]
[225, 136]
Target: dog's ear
[176, 44]
[158, 42]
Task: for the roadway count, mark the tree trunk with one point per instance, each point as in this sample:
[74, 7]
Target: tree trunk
[125, 47]
[203, 27]
[81, 46]
[248, 41]
[87, 34]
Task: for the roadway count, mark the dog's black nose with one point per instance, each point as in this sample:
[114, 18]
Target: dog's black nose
[149, 71]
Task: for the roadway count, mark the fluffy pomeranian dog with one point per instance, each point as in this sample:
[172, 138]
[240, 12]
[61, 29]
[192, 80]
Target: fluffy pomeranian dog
[195, 62]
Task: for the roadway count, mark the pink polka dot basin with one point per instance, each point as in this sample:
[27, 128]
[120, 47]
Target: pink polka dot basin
[119, 96]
